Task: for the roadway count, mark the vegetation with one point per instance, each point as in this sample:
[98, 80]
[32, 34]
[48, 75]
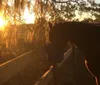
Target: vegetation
[19, 34]
[49, 9]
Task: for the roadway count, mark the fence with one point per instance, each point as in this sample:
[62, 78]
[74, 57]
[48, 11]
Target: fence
[14, 66]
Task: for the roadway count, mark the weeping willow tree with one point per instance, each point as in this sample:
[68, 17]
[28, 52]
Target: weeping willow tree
[13, 11]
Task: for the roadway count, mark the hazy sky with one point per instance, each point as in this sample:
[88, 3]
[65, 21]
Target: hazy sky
[97, 1]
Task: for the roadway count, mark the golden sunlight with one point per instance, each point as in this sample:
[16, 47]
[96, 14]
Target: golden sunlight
[29, 17]
[2, 23]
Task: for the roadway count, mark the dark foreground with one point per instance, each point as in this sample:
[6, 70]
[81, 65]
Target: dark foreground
[71, 71]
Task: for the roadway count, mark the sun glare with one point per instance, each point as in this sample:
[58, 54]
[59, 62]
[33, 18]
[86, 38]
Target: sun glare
[29, 17]
[2, 23]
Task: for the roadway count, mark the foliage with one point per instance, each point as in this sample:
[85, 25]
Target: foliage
[50, 9]
[17, 36]
[66, 9]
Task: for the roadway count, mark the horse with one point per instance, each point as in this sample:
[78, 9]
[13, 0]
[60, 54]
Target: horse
[85, 36]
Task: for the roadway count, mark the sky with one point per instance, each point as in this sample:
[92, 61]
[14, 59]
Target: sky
[97, 1]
